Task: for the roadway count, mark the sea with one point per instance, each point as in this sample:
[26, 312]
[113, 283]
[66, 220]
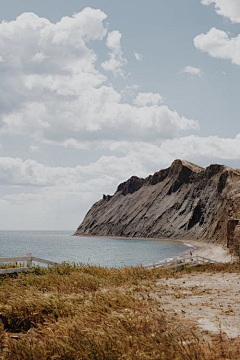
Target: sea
[60, 246]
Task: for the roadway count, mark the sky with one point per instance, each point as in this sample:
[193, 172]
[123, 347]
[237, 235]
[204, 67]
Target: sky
[95, 91]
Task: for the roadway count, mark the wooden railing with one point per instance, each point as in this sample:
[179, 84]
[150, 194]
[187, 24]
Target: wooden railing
[25, 262]
[183, 261]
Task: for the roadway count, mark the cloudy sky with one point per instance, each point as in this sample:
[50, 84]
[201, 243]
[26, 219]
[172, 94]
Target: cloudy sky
[95, 91]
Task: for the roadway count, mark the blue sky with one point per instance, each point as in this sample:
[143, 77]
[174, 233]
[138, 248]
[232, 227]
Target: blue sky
[118, 89]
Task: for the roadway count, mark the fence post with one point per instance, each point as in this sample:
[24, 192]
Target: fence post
[29, 260]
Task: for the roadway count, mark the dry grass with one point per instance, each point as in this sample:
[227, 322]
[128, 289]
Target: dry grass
[210, 268]
[88, 312]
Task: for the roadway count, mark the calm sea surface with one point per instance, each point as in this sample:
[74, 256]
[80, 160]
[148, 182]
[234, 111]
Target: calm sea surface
[61, 246]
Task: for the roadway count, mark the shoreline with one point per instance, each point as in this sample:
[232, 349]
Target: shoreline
[213, 251]
[208, 250]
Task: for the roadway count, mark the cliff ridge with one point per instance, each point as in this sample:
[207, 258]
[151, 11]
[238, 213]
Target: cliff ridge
[182, 201]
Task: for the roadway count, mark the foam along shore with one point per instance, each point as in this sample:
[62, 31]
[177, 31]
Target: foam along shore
[216, 252]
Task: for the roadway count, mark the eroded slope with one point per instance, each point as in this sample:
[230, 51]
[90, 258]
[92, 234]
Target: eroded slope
[182, 201]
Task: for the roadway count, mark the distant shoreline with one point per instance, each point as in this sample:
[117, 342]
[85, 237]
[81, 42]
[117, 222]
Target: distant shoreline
[202, 248]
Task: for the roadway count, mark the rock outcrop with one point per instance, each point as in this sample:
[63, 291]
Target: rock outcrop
[182, 201]
[233, 236]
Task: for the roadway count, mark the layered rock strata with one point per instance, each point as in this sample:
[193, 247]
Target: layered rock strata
[182, 201]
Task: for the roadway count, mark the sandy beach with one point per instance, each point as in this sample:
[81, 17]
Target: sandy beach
[211, 251]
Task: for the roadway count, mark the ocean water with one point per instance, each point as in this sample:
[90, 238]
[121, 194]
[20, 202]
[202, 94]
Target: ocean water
[110, 252]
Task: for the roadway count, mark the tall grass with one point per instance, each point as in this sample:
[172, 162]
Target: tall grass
[89, 312]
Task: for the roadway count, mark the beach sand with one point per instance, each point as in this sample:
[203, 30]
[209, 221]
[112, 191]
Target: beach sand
[210, 250]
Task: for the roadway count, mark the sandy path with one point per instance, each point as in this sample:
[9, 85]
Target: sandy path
[210, 301]
[209, 250]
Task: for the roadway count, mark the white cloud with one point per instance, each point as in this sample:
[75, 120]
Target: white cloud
[138, 57]
[116, 60]
[191, 147]
[40, 196]
[61, 97]
[34, 148]
[218, 44]
[16, 171]
[144, 99]
[226, 8]
[92, 116]
[153, 156]
[136, 157]
[114, 41]
[72, 143]
[129, 91]
[58, 197]
[192, 70]
[139, 158]
[39, 57]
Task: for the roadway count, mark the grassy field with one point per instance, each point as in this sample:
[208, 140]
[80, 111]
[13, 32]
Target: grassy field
[88, 312]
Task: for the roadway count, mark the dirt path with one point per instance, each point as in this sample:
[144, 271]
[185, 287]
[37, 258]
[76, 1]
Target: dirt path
[210, 301]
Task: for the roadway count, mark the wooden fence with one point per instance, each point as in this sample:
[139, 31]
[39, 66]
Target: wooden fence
[25, 262]
[183, 262]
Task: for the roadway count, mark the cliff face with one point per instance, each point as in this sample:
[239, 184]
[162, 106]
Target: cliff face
[182, 201]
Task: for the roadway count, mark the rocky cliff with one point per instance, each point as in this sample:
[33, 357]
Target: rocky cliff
[182, 201]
